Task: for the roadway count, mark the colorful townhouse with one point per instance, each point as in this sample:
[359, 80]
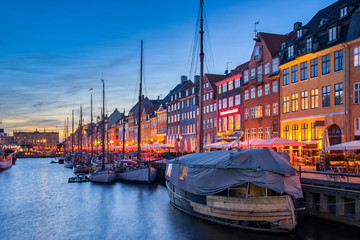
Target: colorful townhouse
[229, 104]
[319, 77]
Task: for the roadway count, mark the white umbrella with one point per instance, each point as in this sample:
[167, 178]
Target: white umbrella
[354, 145]
[325, 141]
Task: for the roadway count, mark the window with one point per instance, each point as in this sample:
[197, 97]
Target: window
[224, 103]
[338, 60]
[231, 85]
[252, 73]
[260, 133]
[357, 126]
[246, 114]
[267, 110]
[286, 77]
[357, 93]
[237, 121]
[275, 65]
[356, 56]
[275, 87]
[231, 123]
[267, 133]
[211, 97]
[314, 98]
[252, 113]
[339, 94]
[257, 54]
[299, 33]
[211, 108]
[314, 132]
[237, 83]
[294, 102]
[332, 34]
[231, 101]
[225, 124]
[314, 68]
[290, 51]
[247, 134]
[259, 91]
[286, 132]
[267, 89]
[304, 74]
[219, 89]
[326, 64]
[294, 74]
[267, 68]
[304, 131]
[275, 109]
[253, 93]
[246, 94]
[220, 104]
[295, 132]
[224, 87]
[326, 96]
[259, 73]
[258, 112]
[246, 76]
[237, 99]
[309, 45]
[304, 100]
[286, 104]
[343, 12]
[253, 133]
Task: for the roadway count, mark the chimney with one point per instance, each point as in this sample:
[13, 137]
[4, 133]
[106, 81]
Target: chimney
[197, 80]
[297, 25]
[183, 79]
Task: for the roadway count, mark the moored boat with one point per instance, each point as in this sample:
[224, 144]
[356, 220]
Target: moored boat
[254, 189]
[5, 159]
[103, 176]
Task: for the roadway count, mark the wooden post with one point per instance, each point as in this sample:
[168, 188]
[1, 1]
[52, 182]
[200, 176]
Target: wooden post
[323, 203]
[340, 210]
[357, 209]
[310, 199]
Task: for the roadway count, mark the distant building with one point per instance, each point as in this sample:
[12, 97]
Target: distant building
[37, 139]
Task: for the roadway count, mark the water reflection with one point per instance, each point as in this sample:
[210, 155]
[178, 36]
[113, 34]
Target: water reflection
[36, 202]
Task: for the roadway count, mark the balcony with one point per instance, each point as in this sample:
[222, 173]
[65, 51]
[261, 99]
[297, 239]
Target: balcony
[258, 79]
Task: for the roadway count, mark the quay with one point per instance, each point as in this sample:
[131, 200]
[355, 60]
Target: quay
[332, 200]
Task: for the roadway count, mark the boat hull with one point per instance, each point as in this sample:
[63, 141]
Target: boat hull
[103, 176]
[5, 163]
[68, 164]
[268, 214]
[82, 169]
[138, 175]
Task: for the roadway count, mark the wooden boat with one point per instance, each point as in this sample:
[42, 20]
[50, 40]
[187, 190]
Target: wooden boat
[141, 173]
[5, 161]
[254, 189]
[103, 175]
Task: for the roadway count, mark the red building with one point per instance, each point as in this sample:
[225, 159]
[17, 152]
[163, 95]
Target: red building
[229, 105]
[260, 88]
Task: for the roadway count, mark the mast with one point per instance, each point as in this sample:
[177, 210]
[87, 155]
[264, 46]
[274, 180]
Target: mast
[67, 132]
[201, 111]
[72, 134]
[65, 139]
[91, 128]
[80, 133]
[124, 133]
[140, 99]
[103, 126]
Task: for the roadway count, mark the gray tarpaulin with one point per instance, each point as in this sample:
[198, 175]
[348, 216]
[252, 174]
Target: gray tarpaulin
[212, 172]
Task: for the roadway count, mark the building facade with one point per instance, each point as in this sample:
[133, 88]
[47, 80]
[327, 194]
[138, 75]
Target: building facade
[45, 140]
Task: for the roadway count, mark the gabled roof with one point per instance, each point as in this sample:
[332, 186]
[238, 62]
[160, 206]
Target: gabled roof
[233, 73]
[273, 41]
[214, 78]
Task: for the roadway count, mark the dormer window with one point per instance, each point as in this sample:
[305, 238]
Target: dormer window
[332, 34]
[323, 21]
[343, 12]
[309, 45]
[290, 51]
[299, 33]
[283, 45]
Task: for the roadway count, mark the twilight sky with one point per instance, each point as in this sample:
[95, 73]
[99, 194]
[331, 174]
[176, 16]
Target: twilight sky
[53, 52]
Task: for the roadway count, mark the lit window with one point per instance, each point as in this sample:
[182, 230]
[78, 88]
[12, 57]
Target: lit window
[294, 102]
[260, 133]
[356, 56]
[275, 109]
[267, 110]
[290, 51]
[314, 98]
[304, 100]
[267, 89]
[286, 104]
[231, 85]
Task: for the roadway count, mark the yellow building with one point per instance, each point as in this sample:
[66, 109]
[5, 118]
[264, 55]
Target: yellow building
[315, 80]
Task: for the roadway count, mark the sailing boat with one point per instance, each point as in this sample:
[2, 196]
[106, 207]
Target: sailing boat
[6, 157]
[253, 189]
[139, 173]
[103, 175]
[69, 161]
[81, 166]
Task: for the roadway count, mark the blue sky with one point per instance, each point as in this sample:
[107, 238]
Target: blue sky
[53, 52]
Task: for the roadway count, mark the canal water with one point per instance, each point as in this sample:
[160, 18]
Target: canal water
[37, 202]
